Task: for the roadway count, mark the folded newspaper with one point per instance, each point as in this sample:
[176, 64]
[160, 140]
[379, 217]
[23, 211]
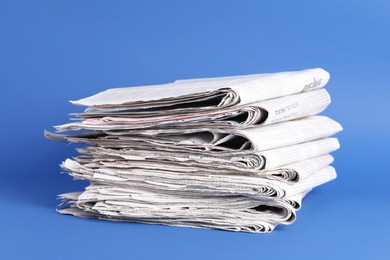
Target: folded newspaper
[233, 153]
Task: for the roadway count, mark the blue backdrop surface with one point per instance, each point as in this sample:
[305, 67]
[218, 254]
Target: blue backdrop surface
[55, 51]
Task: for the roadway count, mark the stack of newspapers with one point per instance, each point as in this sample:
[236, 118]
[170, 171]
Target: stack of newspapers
[234, 153]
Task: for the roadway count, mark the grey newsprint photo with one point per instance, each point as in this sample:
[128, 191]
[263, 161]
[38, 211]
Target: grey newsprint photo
[233, 153]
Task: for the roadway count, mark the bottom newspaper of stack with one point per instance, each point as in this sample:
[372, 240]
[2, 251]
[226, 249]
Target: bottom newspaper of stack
[176, 183]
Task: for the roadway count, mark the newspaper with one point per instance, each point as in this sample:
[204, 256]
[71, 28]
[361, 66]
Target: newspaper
[233, 153]
[288, 163]
[208, 93]
[254, 114]
[145, 204]
[213, 139]
[205, 182]
[231, 220]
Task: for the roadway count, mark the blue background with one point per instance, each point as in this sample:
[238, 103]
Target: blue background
[55, 51]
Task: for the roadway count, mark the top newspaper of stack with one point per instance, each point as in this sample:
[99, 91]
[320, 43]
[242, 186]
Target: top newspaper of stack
[238, 101]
